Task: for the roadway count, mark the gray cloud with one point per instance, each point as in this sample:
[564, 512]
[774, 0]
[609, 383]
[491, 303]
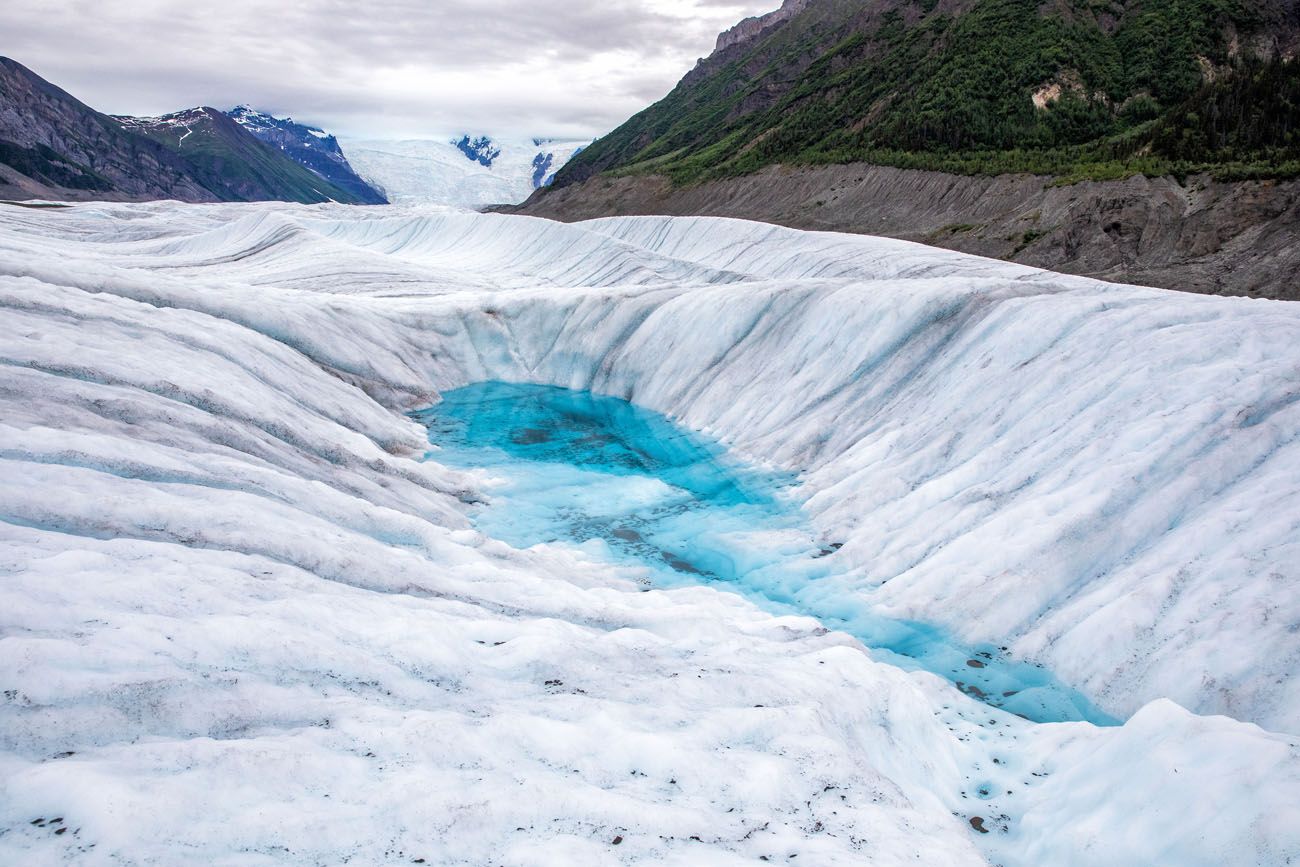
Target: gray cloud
[398, 68]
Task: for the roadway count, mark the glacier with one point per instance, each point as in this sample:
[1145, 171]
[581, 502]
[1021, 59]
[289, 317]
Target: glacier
[250, 617]
[598, 471]
[465, 172]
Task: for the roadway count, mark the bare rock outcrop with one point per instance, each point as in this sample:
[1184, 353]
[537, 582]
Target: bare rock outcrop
[754, 25]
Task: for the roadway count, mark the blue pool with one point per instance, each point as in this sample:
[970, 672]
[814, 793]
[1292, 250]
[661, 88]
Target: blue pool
[640, 490]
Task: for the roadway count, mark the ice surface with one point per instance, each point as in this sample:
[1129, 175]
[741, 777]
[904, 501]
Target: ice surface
[242, 621]
[586, 468]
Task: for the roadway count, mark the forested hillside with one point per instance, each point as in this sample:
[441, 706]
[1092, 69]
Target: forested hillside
[1073, 88]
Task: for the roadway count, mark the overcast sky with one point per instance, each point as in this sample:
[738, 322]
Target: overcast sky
[390, 69]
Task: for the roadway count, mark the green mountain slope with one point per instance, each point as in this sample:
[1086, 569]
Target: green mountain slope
[234, 163]
[54, 146]
[1074, 88]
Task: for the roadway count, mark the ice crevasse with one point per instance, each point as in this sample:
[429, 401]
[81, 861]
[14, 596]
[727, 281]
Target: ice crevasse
[243, 617]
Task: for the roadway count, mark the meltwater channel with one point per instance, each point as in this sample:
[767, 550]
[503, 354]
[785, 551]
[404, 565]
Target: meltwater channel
[641, 490]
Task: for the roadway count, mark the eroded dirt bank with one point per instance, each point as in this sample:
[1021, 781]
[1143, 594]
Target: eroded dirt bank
[1236, 238]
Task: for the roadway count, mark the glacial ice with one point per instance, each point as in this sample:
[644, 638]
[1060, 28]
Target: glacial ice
[467, 172]
[243, 620]
[594, 470]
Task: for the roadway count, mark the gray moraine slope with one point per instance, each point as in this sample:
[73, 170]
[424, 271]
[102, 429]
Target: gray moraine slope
[1220, 238]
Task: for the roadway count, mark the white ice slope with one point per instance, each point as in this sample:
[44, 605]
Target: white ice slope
[241, 622]
[427, 171]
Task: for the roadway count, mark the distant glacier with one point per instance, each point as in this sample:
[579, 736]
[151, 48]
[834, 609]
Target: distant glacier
[465, 171]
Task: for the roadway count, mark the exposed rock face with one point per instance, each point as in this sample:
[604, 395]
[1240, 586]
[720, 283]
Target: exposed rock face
[481, 150]
[1202, 236]
[751, 27]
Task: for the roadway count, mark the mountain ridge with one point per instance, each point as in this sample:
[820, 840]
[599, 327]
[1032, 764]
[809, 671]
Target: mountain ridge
[1097, 89]
[1151, 141]
[53, 146]
[232, 162]
[309, 146]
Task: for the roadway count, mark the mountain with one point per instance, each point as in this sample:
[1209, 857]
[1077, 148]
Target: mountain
[469, 171]
[233, 162]
[1152, 141]
[310, 146]
[1072, 88]
[54, 146]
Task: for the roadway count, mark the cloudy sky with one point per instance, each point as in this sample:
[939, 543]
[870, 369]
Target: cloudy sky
[386, 69]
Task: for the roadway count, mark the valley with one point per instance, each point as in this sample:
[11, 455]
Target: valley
[879, 447]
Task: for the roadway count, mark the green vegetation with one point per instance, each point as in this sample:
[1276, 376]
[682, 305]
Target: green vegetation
[1026, 239]
[958, 228]
[235, 165]
[1148, 87]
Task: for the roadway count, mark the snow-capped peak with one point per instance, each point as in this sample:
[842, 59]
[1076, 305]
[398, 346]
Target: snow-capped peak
[308, 145]
[246, 116]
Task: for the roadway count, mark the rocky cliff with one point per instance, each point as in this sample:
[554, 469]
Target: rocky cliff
[754, 25]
